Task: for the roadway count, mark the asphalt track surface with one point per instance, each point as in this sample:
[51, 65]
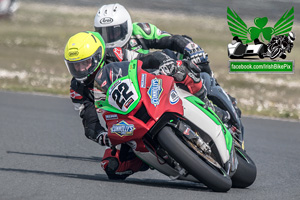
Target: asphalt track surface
[45, 155]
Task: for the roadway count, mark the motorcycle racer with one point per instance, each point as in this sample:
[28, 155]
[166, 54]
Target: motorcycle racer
[84, 56]
[281, 43]
[114, 24]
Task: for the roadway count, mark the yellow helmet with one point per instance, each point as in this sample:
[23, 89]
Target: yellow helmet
[84, 54]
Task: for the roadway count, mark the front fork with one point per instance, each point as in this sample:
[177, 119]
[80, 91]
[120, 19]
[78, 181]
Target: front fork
[230, 166]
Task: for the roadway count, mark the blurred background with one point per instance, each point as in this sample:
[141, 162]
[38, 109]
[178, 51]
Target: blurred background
[32, 41]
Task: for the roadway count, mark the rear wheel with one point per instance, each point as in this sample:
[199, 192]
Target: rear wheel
[245, 174]
[212, 177]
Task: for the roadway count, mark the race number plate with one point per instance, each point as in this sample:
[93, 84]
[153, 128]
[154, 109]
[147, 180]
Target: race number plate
[122, 95]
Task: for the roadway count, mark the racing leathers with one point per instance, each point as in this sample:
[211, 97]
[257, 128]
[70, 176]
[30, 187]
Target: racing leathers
[146, 36]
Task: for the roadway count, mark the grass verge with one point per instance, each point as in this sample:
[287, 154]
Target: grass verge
[32, 44]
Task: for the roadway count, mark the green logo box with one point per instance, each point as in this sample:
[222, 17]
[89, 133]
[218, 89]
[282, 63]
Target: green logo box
[260, 66]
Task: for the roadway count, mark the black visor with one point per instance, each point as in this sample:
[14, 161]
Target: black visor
[113, 33]
[83, 68]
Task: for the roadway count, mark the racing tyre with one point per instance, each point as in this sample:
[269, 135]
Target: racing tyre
[275, 53]
[190, 161]
[245, 174]
[261, 53]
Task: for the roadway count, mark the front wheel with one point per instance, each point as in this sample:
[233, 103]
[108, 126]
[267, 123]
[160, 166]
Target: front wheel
[190, 161]
[275, 53]
[245, 174]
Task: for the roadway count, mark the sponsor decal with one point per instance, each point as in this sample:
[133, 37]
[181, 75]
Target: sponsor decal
[179, 63]
[128, 103]
[104, 83]
[122, 129]
[132, 66]
[113, 87]
[187, 131]
[106, 20]
[133, 42]
[73, 53]
[75, 95]
[119, 53]
[104, 164]
[174, 98]
[155, 91]
[111, 117]
[143, 81]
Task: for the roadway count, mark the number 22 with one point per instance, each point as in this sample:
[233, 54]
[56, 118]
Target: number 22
[121, 94]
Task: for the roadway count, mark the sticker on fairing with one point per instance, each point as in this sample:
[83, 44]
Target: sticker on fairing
[122, 129]
[111, 117]
[174, 98]
[143, 81]
[122, 94]
[155, 91]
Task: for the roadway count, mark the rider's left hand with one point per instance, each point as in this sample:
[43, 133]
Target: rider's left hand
[103, 139]
[195, 53]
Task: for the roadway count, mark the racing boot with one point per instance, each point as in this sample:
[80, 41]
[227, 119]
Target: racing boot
[120, 170]
[223, 115]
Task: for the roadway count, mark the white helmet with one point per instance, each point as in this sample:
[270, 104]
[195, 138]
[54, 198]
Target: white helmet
[114, 24]
[291, 37]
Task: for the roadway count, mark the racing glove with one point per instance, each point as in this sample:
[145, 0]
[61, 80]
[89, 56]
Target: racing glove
[187, 68]
[103, 139]
[160, 62]
[195, 53]
[168, 66]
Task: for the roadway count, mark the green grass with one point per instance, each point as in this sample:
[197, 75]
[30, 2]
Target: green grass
[32, 44]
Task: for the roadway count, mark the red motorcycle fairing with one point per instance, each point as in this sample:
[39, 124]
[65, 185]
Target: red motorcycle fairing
[157, 97]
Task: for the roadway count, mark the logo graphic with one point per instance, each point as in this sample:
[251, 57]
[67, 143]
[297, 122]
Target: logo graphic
[123, 129]
[106, 20]
[174, 98]
[143, 81]
[104, 164]
[269, 42]
[73, 53]
[155, 91]
[239, 28]
[119, 53]
[128, 103]
[133, 42]
[75, 95]
[111, 117]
